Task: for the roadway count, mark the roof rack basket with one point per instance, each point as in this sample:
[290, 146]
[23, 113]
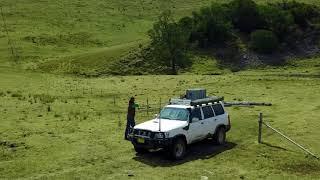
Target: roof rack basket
[196, 102]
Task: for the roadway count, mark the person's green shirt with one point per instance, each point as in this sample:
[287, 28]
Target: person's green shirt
[135, 105]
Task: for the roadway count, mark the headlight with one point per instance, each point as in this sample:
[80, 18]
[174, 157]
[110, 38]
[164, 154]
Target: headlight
[159, 135]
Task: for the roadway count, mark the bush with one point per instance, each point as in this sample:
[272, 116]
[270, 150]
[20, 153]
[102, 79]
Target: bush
[277, 20]
[212, 24]
[303, 13]
[218, 31]
[264, 41]
[245, 15]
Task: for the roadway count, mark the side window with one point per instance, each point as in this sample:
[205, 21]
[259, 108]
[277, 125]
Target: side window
[196, 113]
[207, 112]
[218, 109]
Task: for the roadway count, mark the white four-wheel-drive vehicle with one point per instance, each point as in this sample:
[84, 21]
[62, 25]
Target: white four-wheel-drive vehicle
[182, 122]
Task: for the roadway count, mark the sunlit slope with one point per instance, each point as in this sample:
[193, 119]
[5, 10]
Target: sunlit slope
[42, 31]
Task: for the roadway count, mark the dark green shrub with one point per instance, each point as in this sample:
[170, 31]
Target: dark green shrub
[303, 13]
[186, 23]
[277, 20]
[218, 31]
[212, 24]
[264, 41]
[245, 15]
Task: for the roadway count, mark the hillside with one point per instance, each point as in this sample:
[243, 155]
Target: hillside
[50, 30]
[47, 33]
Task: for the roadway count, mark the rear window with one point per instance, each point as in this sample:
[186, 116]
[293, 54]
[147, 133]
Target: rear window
[207, 112]
[218, 109]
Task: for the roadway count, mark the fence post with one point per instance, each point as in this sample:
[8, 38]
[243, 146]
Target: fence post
[119, 122]
[147, 106]
[260, 128]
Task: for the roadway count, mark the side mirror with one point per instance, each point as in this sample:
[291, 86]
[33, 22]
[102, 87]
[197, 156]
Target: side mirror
[195, 119]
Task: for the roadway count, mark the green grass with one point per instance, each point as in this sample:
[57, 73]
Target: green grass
[95, 62]
[57, 127]
[51, 32]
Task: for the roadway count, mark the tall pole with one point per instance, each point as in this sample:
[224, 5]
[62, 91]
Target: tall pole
[147, 106]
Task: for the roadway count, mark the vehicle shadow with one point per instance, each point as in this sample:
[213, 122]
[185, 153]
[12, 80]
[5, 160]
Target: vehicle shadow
[202, 150]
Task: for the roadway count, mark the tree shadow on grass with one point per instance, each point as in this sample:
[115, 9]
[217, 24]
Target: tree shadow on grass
[201, 150]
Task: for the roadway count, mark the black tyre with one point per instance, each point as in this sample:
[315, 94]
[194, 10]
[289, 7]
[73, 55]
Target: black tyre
[140, 150]
[178, 149]
[220, 136]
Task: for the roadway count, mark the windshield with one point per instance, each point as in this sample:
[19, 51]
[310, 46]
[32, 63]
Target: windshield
[174, 114]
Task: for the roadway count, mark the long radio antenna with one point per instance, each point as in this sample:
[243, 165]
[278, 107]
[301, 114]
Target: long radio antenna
[159, 119]
[159, 115]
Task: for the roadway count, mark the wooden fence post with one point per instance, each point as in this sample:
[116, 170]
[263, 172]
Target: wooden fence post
[260, 128]
[147, 106]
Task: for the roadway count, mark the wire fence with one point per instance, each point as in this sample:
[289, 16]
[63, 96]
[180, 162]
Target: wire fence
[261, 123]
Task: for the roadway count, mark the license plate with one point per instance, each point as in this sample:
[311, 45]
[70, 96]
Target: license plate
[140, 140]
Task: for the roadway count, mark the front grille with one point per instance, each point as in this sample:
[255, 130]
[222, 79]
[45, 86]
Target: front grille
[140, 132]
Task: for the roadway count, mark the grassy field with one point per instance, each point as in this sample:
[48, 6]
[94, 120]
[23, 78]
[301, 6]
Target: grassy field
[47, 33]
[58, 126]
[66, 127]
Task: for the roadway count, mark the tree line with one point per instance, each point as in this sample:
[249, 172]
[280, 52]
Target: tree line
[267, 27]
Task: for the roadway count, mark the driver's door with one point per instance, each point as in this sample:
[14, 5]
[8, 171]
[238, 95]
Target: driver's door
[196, 126]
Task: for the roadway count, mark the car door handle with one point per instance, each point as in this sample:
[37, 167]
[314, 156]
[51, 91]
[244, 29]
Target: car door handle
[201, 122]
[215, 119]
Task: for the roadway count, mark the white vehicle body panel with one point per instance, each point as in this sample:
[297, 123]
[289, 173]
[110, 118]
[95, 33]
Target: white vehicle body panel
[165, 126]
[194, 131]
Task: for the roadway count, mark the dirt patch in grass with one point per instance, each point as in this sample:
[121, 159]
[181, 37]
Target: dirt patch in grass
[12, 145]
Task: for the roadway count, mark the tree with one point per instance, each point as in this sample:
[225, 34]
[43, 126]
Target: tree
[245, 15]
[212, 25]
[303, 13]
[264, 41]
[277, 20]
[169, 41]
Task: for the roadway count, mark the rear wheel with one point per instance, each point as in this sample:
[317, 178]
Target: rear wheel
[140, 150]
[220, 136]
[178, 149]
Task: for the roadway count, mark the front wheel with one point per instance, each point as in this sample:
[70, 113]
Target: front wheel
[220, 136]
[178, 149]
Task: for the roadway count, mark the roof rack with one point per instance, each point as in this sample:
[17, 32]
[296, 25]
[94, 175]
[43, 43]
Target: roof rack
[212, 99]
[196, 102]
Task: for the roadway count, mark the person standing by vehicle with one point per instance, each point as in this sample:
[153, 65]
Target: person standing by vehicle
[130, 116]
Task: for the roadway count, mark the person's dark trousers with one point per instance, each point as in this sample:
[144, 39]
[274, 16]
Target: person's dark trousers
[130, 125]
